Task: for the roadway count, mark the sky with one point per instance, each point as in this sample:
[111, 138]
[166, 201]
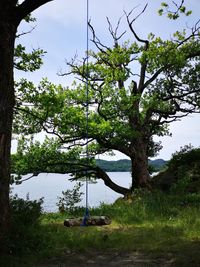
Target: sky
[60, 30]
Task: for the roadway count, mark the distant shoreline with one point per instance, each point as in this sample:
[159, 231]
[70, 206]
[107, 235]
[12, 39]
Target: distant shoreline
[124, 165]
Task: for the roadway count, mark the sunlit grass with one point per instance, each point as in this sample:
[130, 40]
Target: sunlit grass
[154, 224]
[148, 224]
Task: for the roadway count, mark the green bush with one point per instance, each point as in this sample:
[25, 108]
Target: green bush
[25, 225]
[187, 156]
[25, 211]
[70, 199]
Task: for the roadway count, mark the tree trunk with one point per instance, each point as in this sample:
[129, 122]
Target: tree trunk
[140, 172]
[7, 38]
[11, 15]
[91, 221]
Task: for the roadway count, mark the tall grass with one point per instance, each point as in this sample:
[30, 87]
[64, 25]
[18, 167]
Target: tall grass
[152, 223]
[143, 223]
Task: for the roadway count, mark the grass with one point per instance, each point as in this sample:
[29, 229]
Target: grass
[155, 224]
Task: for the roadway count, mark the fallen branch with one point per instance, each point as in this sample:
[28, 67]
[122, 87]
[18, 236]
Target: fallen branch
[91, 221]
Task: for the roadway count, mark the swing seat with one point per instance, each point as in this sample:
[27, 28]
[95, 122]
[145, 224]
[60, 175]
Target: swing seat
[91, 221]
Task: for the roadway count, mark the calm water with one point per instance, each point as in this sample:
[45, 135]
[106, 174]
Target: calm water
[50, 186]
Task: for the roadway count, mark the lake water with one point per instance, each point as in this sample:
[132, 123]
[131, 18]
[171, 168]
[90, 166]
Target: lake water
[50, 186]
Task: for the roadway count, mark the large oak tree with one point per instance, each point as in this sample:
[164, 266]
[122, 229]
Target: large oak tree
[11, 15]
[135, 90]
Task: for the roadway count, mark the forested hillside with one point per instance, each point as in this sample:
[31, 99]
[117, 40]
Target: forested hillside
[124, 165]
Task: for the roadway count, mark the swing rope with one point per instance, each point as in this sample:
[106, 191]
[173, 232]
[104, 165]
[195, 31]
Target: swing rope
[86, 215]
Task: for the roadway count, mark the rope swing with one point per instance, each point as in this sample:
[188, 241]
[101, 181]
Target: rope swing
[87, 219]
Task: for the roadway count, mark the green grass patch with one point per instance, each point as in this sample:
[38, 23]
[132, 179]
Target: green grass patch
[153, 223]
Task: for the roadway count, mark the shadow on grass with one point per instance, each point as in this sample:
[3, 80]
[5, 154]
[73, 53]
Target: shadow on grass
[187, 254]
[58, 242]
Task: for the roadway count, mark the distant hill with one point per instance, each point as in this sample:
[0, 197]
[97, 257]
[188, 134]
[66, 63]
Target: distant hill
[124, 165]
[158, 164]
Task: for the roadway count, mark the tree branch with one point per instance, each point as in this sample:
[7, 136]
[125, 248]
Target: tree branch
[26, 179]
[130, 23]
[24, 33]
[96, 40]
[153, 77]
[108, 182]
[114, 32]
[146, 46]
[28, 6]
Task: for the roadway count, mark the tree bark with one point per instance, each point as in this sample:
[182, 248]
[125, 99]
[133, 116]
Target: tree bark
[7, 38]
[140, 172]
[10, 17]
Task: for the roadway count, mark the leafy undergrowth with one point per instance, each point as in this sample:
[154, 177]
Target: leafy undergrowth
[153, 223]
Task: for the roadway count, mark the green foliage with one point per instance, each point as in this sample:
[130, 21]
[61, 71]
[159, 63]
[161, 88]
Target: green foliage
[181, 175]
[34, 157]
[112, 105]
[181, 184]
[186, 164]
[28, 61]
[25, 220]
[30, 18]
[175, 13]
[187, 156]
[70, 199]
[25, 212]
[125, 112]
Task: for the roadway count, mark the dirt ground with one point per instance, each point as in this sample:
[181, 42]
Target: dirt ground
[108, 259]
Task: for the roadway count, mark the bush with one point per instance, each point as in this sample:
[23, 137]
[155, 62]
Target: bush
[25, 221]
[187, 156]
[25, 211]
[70, 199]
[182, 174]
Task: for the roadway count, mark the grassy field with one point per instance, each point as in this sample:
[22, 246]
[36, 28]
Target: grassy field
[154, 224]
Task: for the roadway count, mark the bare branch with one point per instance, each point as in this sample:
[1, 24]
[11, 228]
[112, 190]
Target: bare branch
[26, 179]
[146, 46]
[24, 33]
[130, 23]
[96, 40]
[114, 32]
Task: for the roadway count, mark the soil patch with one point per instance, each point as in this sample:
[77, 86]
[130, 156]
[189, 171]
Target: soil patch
[108, 259]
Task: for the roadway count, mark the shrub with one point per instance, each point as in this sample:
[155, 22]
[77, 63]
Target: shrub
[25, 211]
[25, 232]
[70, 199]
[187, 156]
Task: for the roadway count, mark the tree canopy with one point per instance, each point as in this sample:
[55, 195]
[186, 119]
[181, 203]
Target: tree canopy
[136, 88]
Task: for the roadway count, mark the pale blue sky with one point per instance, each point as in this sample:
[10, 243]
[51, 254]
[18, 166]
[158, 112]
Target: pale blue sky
[61, 31]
